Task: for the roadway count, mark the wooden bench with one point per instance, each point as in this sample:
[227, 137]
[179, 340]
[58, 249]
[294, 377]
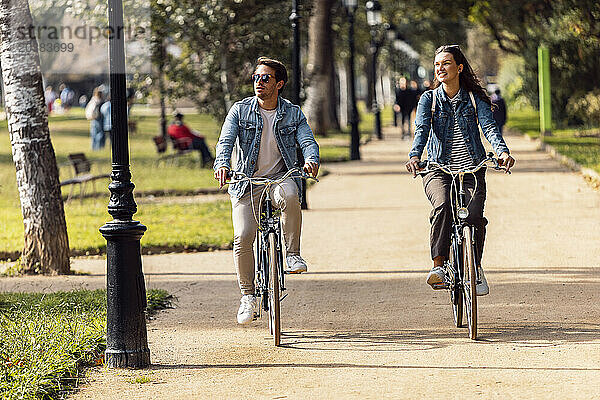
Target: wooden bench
[82, 168]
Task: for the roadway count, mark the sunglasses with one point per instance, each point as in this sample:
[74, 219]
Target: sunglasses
[262, 77]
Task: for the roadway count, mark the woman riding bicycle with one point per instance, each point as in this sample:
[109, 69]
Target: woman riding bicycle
[447, 122]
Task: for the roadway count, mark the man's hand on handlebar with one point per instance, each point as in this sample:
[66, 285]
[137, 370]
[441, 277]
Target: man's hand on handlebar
[412, 165]
[221, 176]
[506, 161]
[311, 168]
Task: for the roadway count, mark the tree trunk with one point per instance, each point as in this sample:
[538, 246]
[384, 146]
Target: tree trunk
[334, 96]
[46, 243]
[320, 54]
[368, 70]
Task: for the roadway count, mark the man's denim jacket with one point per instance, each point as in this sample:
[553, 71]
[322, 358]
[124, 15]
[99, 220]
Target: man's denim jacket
[244, 123]
[438, 142]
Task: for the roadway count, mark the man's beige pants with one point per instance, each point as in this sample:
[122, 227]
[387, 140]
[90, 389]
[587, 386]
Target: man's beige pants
[284, 197]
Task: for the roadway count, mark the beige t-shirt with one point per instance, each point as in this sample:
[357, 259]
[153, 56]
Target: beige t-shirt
[269, 162]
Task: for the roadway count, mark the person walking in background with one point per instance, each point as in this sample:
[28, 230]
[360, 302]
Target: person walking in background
[93, 114]
[403, 105]
[499, 109]
[413, 99]
[184, 138]
[106, 119]
[67, 97]
[49, 97]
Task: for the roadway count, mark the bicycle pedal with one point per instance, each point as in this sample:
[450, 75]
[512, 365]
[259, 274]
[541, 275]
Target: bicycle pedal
[439, 286]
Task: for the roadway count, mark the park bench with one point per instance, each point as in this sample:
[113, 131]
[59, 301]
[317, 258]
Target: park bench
[181, 147]
[82, 174]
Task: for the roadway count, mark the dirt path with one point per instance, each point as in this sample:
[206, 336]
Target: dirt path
[363, 323]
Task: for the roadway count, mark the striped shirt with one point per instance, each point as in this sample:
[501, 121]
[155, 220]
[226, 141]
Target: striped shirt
[460, 158]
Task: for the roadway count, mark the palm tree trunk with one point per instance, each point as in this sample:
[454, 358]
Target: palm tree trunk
[46, 247]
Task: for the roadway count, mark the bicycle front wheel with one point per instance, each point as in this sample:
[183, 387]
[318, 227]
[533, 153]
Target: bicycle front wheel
[456, 296]
[274, 296]
[469, 281]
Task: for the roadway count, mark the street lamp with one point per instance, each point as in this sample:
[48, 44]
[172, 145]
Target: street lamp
[126, 336]
[374, 20]
[351, 6]
[294, 18]
[391, 37]
[374, 13]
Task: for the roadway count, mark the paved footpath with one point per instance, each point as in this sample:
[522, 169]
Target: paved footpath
[362, 323]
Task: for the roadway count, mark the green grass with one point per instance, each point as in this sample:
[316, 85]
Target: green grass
[335, 153]
[47, 340]
[193, 226]
[171, 226]
[140, 380]
[578, 144]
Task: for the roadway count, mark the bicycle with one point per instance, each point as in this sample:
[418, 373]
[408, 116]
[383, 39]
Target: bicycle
[269, 273]
[460, 266]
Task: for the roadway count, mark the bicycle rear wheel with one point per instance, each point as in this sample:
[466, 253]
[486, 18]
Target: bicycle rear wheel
[456, 297]
[469, 281]
[274, 296]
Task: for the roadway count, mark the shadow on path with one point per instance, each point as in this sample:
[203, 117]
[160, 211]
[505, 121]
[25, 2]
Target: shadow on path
[368, 366]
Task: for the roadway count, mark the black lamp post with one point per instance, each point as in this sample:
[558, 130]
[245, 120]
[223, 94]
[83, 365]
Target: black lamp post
[391, 37]
[294, 18]
[374, 20]
[126, 337]
[351, 6]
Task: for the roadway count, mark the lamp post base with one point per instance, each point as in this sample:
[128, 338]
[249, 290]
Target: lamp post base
[378, 125]
[354, 142]
[126, 337]
[127, 359]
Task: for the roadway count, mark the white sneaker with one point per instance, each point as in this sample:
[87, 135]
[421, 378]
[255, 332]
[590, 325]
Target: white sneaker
[482, 287]
[436, 275]
[247, 309]
[295, 264]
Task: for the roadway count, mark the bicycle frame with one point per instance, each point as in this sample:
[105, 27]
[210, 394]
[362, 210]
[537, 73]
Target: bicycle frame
[269, 222]
[462, 271]
[268, 248]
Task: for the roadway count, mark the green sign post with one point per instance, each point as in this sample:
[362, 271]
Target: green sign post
[544, 85]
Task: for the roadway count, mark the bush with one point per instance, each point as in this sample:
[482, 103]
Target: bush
[586, 107]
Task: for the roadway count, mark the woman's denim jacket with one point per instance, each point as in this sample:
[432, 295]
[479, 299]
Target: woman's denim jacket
[244, 123]
[438, 142]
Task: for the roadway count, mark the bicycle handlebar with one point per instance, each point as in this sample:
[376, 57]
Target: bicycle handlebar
[424, 166]
[238, 176]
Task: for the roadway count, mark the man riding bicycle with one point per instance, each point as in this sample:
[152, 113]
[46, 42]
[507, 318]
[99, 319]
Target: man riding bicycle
[447, 121]
[265, 130]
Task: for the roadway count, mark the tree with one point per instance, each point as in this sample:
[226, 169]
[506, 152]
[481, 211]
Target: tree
[569, 28]
[320, 69]
[46, 242]
[220, 40]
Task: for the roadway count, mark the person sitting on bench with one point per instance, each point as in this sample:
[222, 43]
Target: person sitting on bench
[178, 132]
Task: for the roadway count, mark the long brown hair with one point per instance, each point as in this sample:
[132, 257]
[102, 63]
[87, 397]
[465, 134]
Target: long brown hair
[467, 78]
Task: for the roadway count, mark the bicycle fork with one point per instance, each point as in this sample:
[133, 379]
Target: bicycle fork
[463, 213]
[272, 225]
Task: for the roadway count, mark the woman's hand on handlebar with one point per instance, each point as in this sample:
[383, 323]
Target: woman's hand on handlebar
[221, 175]
[412, 165]
[311, 168]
